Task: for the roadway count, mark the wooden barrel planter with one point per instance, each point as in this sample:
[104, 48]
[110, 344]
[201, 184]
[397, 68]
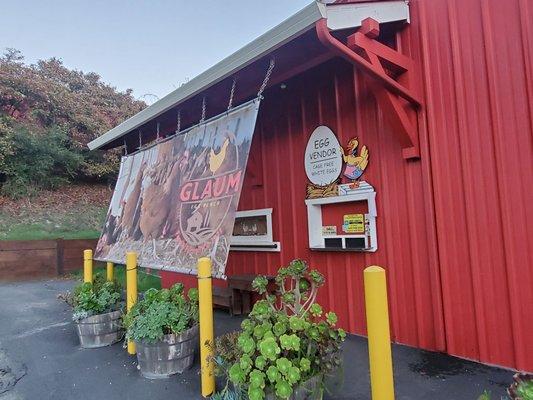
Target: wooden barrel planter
[100, 330]
[171, 355]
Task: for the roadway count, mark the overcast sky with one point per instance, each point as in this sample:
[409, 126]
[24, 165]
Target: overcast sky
[149, 46]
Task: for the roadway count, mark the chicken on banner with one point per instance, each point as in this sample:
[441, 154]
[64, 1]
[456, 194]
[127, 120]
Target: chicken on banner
[175, 201]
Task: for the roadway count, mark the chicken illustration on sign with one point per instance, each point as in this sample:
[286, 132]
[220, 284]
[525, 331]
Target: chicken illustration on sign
[197, 227]
[355, 164]
[206, 198]
[175, 201]
[216, 159]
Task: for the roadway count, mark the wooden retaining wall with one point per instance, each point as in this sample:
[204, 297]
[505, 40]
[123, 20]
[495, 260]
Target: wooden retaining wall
[34, 259]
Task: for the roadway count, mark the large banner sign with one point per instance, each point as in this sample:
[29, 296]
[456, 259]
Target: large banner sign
[175, 201]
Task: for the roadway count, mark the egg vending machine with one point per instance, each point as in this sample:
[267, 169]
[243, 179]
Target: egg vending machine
[341, 217]
[346, 222]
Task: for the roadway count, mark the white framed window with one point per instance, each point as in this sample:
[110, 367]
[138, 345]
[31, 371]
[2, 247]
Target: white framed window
[253, 231]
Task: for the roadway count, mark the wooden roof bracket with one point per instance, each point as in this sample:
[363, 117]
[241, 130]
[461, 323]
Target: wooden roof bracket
[398, 101]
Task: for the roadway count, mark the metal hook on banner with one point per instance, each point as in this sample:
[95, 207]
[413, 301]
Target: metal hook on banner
[125, 148]
[203, 110]
[267, 77]
[231, 94]
[157, 133]
[140, 139]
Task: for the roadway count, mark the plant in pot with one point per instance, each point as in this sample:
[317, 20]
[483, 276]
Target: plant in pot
[287, 346]
[164, 327]
[520, 389]
[97, 312]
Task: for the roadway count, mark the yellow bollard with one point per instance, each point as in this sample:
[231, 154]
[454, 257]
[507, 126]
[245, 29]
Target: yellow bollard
[110, 269]
[131, 288]
[377, 321]
[205, 293]
[88, 266]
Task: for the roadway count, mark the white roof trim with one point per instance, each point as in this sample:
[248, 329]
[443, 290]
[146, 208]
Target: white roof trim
[343, 16]
[339, 17]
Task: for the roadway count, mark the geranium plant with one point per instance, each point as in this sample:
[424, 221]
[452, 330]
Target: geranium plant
[95, 298]
[162, 312]
[287, 338]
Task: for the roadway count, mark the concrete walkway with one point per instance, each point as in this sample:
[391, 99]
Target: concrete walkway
[40, 359]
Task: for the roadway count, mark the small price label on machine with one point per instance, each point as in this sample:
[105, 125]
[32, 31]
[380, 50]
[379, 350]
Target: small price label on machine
[354, 223]
[329, 230]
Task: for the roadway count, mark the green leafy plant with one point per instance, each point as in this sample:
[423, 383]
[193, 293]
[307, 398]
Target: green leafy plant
[287, 339]
[95, 298]
[162, 312]
[525, 390]
[226, 353]
[520, 389]
[484, 396]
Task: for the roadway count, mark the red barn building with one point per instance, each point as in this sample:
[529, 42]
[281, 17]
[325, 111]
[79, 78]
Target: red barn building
[441, 93]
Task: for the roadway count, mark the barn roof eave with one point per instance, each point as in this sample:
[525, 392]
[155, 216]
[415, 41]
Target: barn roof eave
[338, 17]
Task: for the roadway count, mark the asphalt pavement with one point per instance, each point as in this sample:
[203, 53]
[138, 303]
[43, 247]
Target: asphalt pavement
[40, 359]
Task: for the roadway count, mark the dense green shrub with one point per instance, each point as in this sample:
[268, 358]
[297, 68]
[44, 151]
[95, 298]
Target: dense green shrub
[62, 110]
[38, 161]
[162, 312]
[6, 142]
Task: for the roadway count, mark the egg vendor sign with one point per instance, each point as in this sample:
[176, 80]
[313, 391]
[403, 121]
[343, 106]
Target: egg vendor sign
[175, 201]
[323, 158]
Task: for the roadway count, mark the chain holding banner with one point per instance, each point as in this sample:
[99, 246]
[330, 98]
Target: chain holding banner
[176, 200]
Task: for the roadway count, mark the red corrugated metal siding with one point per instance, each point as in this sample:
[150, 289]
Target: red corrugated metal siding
[478, 82]
[455, 228]
[331, 95]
